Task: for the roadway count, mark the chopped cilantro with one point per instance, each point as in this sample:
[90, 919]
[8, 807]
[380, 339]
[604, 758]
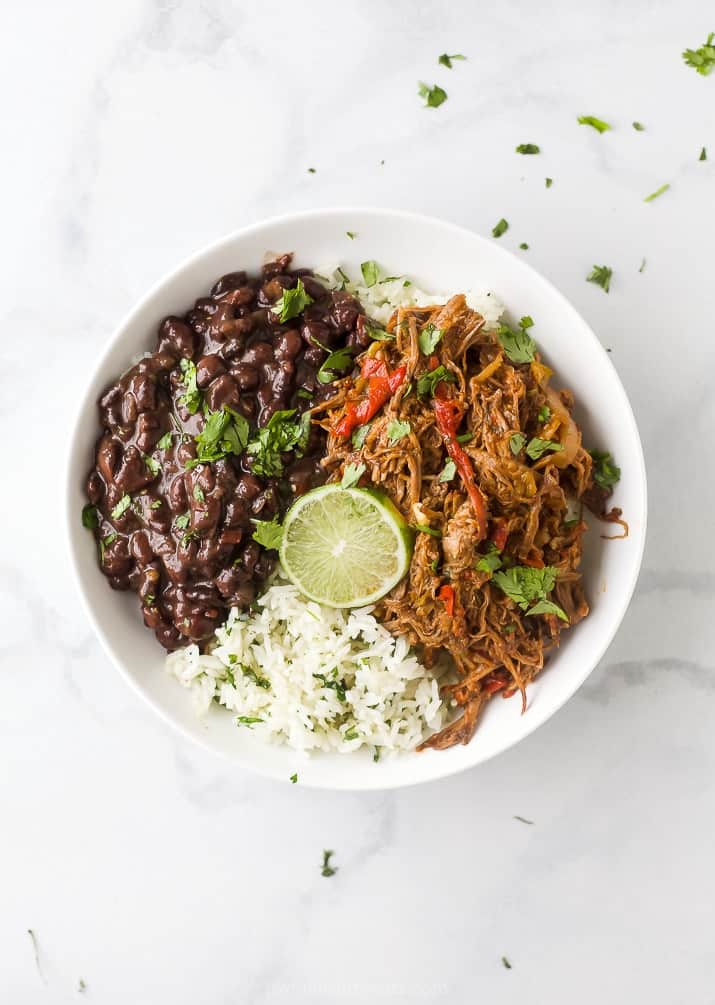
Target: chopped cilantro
[519, 346]
[311, 170]
[429, 338]
[281, 434]
[500, 228]
[247, 720]
[537, 447]
[350, 734]
[424, 528]
[642, 266]
[434, 96]
[448, 471]
[544, 414]
[516, 443]
[601, 276]
[191, 398]
[352, 475]
[269, 533]
[182, 522]
[525, 585]
[506, 963]
[376, 755]
[378, 334]
[157, 504]
[703, 155]
[591, 120]
[292, 303]
[427, 383]
[351, 234]
[465, 437]
[358, 437]
[90, 517]
[528, 148]
[370, 272]
[225, 432]
[122, 506]
[294, 777]
[396, 430]
[199, 494]
[639, 127]
[491, 561]
[524, 246]
[165, 442]
[328, 869]
[549, 182]
[341, 359]
[605, 472]
[702, 59]
[658, 191]
[154, 466]
[445, 60]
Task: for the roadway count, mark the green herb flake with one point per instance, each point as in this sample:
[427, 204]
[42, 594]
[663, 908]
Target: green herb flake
[591, 120]
[199, 494]
[359, 435]
[642, 266]
[445, 60]
[90, 517]
[376, 755]
[703, 155]
[448, 472]
[703, 59]
[370, 272]
[505, 963]
[427, 383]
[311, 170]
[259, 681]
[225, 432]
[549, 182]
[153, 465]
[351, 234]
[282, 433]
[524, 246]
[165, 442]
[522, 820]
[378, 334]
[425, 528]
[328, 869]
[268, 533]
[429, 339]
[191, 399]
[605, 472]
[396, 430]
[36, 952]
[294, 777]
[528, 148]
[81, 986]
[247, 720]
[526, 322]
[639, 127]
[182, 522]
[157, 504]
[658, 191]
[516, 443]
[434, 96]
[537, 447]
[491, 561]
[500, 228]
[122, 506]
[526, 586]
[339, 360]
[352, 475]
[519, 346]
[292, 303]
[149, 599]
[465, 437]
[544, 414]
[601, 276]
[350, 734]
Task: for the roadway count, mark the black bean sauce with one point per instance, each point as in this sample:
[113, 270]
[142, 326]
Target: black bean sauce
[184, 541]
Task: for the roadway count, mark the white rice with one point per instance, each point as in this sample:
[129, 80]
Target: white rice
[316, 678]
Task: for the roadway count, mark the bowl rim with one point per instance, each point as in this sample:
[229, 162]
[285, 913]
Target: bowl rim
[87, 398]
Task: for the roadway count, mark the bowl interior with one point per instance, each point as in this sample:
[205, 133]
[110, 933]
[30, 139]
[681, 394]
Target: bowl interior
[439, 257]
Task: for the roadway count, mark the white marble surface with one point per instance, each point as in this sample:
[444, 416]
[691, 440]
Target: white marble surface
[136, 132]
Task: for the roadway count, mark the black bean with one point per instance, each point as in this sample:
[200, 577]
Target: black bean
[288, 344]
[258, 352]
[231, 281]
[222, 391]
[245, 375]
[176, 337]
[207, 368]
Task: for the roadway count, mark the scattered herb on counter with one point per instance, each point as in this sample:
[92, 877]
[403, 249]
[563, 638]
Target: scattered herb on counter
[445, 60]
[549, 182]
[294, 777]
[523, 819]
[292, 303]
[601, 276]
[642, 266]
[516, 443]
[429, 338]
[269, 533]
[702, 59]
[505, 963]
[191, 398]
[591, 120]
[397, 429]
[448, 471]
[434, 96]
[36, 951]
[351, 234]
[427, 383]
[352, 475]
[639, 127]
[524, 585]
[703, 155]
[328, 869]
[605, 472]
[311, 170]
[528, 148]
[519, 346]
[370, 272]
[282, 433]
[122, 506]
[335, 362]
[90, 519]
[81, 986]
[500, 228]
[658, 191]
[537, 447]
[358, 437]
[165, 442]
[524, 246]
[491, 561]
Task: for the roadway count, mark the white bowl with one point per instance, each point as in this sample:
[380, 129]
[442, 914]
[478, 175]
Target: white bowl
[439, 257]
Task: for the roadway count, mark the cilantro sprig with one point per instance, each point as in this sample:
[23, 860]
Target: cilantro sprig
[282, 433]
[292, 302]
[519, 346]
[529, 589]
[445, 60]
[703, 59]
[225, 432]
[269, 533]
[434, 96]
[605, 472]
[601, 276]
[590, 120]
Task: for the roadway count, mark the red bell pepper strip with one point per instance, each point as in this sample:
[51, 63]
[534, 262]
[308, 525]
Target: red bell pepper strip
[449, 415]
[493, 685]
[381, 385]
[446, 595]
[499, 535]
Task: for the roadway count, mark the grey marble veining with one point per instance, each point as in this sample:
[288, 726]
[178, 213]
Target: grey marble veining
[135, 133]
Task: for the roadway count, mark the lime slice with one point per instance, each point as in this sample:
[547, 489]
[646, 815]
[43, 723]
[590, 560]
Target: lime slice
[345, 547]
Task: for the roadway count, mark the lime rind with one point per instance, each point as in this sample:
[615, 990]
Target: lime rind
[345, 547]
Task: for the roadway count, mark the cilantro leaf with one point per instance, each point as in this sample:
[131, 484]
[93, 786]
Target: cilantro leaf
[225, 432]
[516, 443]
[122, 506]
[182, 522]
[524, 246]
[153, 465]
[247, 720]
[601, 276]
[328, 869]
[547, 607]
[292, 303]
[518, 346]
[544, 414]
[269, 533]
[378, 334]
[341, 359]
[434, 96]
[526, 322]
[370, 272]
[90, 517]
[445, 60]
[642, 267]
[591, 120]
[358, 437]
[537, 447]
[525, 585]
[351, 234]
[352, 475]
[702, 59]
[281, 434]
[491, 561]
[500, 228]
[165, 442]
[639, 127]
[703, 155]
[528, 148]
[549, 182]
[429, 338]
[397, 430]
[448, 471]
[658, 191]
[605, 472]
[199, 494]
[191, 399]
[427, 383]
[294, 778]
